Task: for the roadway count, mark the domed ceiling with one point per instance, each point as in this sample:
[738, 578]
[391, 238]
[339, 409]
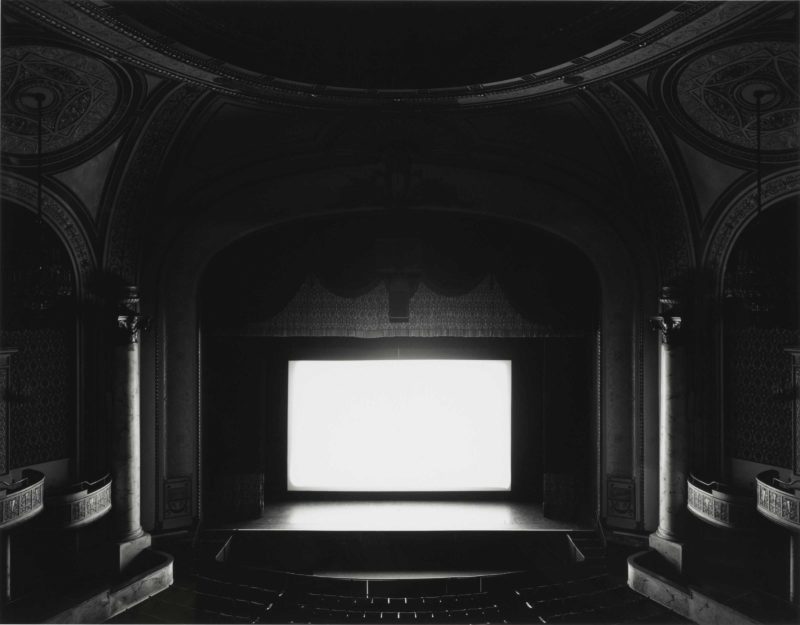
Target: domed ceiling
[394, 45]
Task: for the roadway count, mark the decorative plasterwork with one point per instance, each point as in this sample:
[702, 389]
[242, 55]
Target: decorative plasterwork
[664, 214]
[741, 210]
[79, 95]
[716, 91]
[23, 192]
[135, 192]
[102, 27]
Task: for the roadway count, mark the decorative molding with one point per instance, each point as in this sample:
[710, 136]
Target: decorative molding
[711, 504]
[666, 218]
[22, 500]
[81, 506]
[136, 190]
[63, 220]
[621, 492]
[776, 503]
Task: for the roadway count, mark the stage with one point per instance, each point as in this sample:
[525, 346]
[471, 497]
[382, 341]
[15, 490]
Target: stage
[398, 539]
[404, 516]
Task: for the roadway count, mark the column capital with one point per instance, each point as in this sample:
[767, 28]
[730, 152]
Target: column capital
[670, 328]
[130, 326]
[130, 323]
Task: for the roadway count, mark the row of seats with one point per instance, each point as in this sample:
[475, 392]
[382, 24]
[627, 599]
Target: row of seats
[230, 594]
[577, 600]
[409, 603]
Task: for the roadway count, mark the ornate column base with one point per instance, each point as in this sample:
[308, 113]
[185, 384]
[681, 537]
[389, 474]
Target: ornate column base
[673, 551]
[124, 552]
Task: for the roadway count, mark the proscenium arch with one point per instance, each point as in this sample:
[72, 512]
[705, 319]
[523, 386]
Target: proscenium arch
[171, 355]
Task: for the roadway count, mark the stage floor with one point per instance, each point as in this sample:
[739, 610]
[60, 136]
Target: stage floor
[404, 516]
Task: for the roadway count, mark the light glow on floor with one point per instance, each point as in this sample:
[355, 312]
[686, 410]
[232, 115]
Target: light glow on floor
[399, 425]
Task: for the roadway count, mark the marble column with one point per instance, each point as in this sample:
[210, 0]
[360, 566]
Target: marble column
[673, 455]
[126, 456]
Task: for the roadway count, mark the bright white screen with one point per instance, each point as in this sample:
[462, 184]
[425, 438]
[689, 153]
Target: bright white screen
[399, 425]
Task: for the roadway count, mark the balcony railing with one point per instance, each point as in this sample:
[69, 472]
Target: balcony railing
[22, 499]
[719, 504]
[778, 500]
[79, 504]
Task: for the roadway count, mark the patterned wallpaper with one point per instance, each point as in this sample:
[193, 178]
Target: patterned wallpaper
[42, 399]
[758, 411]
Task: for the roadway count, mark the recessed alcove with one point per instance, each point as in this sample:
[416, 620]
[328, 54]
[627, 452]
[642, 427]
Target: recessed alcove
[476, 290]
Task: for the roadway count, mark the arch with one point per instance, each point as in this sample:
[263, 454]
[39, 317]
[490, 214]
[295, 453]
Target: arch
[172, 280]
[740, 212]
[127, 206]
[667, 218]
[61, 218]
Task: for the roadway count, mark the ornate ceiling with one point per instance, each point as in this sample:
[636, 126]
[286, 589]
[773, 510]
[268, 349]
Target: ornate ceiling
[420, 54]
[176, 95]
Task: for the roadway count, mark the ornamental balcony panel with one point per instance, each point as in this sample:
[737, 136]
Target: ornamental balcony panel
[21, 500]
[779, 500]
[719, 504]
[80, 504]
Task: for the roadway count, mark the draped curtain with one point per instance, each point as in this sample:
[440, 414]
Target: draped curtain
[466, 278]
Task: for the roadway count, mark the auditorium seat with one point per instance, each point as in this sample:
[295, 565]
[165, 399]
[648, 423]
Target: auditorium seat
[212, 591]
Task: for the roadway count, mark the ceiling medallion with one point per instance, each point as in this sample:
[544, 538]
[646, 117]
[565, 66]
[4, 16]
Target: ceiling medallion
[78, 95]
[718, 92]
